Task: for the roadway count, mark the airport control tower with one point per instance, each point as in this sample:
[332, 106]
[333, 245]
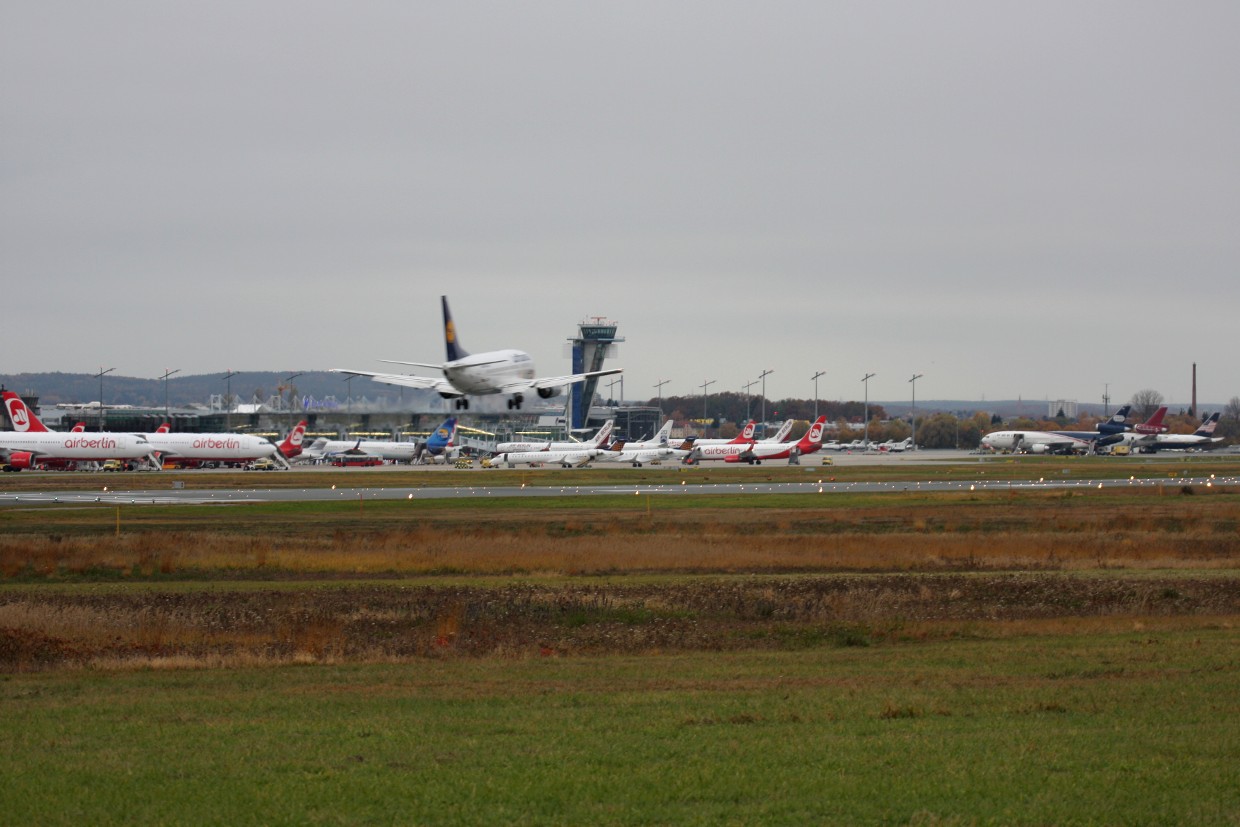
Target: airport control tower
[596, 339]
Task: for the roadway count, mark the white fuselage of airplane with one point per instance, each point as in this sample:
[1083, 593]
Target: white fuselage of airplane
[493, 372]
[210, 447]
[1035, 442]
[76, 445]
[567, 459]
[639, 456]
[536, 445]
[383, 449]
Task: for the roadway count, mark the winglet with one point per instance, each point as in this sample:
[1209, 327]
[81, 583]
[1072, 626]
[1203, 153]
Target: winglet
[453, 345]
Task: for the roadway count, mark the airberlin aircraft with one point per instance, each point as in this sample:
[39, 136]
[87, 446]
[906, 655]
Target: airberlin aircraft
[196, 449]
[30, 443]
[756, 452]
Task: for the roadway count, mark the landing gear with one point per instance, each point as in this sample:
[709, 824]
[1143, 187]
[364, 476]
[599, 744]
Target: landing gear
[462, 403]
[514, 404]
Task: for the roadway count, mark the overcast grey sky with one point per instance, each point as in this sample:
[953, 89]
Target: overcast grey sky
[1013, 199]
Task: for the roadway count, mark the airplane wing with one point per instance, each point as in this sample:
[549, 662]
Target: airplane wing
[440, 385]
[544, 382]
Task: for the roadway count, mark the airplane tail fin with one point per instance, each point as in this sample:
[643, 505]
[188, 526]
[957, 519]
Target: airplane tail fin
[664, 433]
[163, 428]
[443, 435]
[812, 440]
[454, 349]
[291, 446]
[23, 418]
[600, 439]
[78, 428]
[746, 434]
[1153, 425]
[1207, 427]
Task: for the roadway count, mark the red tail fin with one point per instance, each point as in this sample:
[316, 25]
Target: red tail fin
[1153, 425]
[813, 437]
[163, 428]
[746, 434]
[78, 428]
[291, 446]
[23, 418]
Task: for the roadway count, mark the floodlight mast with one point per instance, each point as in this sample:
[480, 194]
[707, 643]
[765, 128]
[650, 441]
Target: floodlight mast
[102, 373]
[167, 373]
[865, 380]
[913, 415]
[815, 378]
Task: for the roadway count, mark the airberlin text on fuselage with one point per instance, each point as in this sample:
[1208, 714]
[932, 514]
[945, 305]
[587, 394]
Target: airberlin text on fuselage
[217, 443]
[85, 442]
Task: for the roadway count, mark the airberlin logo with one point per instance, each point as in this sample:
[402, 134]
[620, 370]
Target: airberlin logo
[18, 414]
[86, 442]
[217, 443]
[815, 433]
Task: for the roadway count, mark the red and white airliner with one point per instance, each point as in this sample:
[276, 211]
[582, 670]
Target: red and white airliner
[30, 443]
[196, 449]
[756, 452]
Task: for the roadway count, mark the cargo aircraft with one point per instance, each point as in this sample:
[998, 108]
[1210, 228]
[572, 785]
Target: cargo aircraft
[508, 372]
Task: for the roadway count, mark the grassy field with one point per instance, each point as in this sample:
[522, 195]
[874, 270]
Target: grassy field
[1115, 728]
[1032, 657]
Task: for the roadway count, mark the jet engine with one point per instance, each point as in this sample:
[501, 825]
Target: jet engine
[19, 460]
[547, 393]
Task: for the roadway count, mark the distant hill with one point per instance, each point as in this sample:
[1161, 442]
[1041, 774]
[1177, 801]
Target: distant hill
[246, 386]
[250, 386]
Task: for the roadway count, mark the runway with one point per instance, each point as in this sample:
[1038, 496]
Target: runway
[475, 492]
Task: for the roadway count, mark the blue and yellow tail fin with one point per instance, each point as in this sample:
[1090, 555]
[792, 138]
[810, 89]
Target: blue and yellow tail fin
[455, 351]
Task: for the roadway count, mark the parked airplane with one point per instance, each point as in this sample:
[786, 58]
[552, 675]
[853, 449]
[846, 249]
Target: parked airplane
[31, 443]
[1037, 442]
[567, 459]
[1202, 438]
[659, 440]
[598, 441]
[508, 372]
[188, 449]
[891, 446]
[745, 437]
[757, 452]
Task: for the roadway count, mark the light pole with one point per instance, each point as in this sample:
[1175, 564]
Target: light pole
[168, 373]
[747, 386]
[611, 385]
[228, 399]
[865, 380]
[348, 403]
[913, 382]
[815, 378]
[763, 376]
[286, 386]
[658, 386]
[100, 376]
[704, 386]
